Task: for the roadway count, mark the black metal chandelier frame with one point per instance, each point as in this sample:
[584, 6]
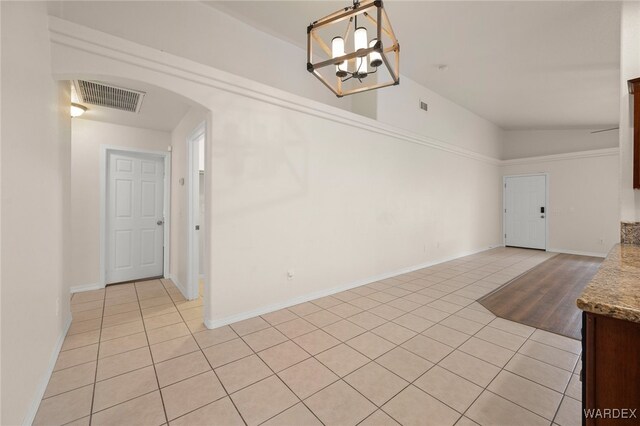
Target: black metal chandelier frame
[373, 11]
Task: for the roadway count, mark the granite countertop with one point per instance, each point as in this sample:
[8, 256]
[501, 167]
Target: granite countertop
[615, 289]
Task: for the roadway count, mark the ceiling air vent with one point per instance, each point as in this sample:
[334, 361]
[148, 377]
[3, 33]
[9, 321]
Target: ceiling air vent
[424, 106]
[109, 96]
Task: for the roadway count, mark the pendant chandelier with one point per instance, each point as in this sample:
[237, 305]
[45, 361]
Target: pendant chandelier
[352, 62]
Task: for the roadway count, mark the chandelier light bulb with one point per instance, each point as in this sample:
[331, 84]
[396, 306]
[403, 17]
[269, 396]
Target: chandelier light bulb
[337, 50]
[359, 43]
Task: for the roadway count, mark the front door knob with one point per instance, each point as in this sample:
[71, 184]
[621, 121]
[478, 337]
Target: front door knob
[160, 222]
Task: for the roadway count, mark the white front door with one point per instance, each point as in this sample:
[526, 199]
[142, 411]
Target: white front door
[135, 219]
[525, 211]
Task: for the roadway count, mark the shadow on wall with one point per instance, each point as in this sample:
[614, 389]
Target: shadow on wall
[266, 151]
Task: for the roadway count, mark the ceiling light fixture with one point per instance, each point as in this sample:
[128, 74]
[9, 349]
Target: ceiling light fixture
[349, 71]
[77, 110]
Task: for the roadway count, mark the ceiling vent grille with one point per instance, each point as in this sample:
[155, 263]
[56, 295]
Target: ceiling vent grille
[108, 96]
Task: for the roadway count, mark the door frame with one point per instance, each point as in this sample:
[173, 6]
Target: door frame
[193, 185]
[105, 151]
[546, 207]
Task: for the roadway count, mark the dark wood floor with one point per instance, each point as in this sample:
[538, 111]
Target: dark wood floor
[545, 297]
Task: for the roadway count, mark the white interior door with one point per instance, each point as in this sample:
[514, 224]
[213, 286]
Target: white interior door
[135, 219]
[525, 211]
[195, 250]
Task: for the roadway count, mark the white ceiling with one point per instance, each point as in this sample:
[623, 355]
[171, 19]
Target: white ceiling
[160, 109]
[522, 65]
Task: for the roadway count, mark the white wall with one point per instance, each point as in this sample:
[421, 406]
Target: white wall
[333, 203]
[445, 120]
[206, 35]
[35, 209]
[629, 68]
[299, 185]
[180, 194]
[195, 31]
[0, 223]
[533, 143]
[583, 200]
[86, 138]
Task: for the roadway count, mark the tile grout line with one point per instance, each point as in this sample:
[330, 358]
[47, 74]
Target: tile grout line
[370, 330]
[485, 389]
[412, 383]
[448, 290]
[95, 378]
[155, 372]
[300, 400]
[564, 394]
[387, 321]
[227, 395]
[484, 326]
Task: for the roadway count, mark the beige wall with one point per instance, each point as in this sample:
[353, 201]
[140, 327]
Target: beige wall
[583, 200]
[445, 120]
[35, 209]
[533, 143]
[206, 35]
[86, 139]
[290, 189]
[629, 68]
[335, 204]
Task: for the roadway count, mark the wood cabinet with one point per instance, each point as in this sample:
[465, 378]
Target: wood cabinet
[610, 369]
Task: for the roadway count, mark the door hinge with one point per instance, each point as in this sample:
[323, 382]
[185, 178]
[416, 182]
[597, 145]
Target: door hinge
[505, 235]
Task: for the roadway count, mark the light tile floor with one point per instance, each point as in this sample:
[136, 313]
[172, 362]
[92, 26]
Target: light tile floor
[413, 349]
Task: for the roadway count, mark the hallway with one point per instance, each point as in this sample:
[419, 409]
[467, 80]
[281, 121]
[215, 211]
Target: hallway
[394, 351]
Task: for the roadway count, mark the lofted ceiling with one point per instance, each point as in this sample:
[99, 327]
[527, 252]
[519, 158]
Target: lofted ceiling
[519, 64]
[160, 109]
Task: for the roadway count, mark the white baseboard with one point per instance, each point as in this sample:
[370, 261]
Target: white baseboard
[577, 252]
[328, 292]
[42, 387]
[86, 287]
[181, 287]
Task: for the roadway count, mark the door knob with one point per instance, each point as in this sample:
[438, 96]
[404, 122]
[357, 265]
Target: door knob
[160, 222]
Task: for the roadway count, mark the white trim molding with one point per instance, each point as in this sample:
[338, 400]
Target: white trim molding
[328, 292]
[560, 157]
[577, 252]
[93, 42]
[42, 386]
[85, 287]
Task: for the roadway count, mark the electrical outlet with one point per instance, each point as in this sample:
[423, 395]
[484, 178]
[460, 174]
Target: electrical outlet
[290, 274]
